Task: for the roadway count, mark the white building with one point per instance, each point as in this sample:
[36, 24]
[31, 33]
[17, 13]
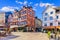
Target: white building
[2, 19]
[51, 17]
[13, 20]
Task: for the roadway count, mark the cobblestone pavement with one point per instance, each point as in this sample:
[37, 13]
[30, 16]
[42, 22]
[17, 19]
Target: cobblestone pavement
[26, 36]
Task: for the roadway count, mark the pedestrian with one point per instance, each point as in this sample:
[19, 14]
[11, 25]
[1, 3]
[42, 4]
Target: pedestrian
[49, 34]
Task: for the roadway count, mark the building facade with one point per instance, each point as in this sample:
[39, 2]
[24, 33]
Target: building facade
[13, 20]
[38, 24]
[24, 18]
[51, 17]
[6, 16]
[2, 19]
[27, 17]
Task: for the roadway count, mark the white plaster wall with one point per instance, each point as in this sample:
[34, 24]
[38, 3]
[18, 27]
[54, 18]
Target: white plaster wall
[50, 9]
[58, 20]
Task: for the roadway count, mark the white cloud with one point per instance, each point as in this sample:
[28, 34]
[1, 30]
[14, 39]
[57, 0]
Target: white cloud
[16, 1]
[30, 3]
[26, 2]
[45, 4]
[8, 8]
[20, 2]
[34, 8]
[23, 3]
[12, 7]
[36, 4]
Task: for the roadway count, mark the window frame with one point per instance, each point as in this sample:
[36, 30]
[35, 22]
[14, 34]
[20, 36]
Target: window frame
[51, 18]
[57, 17]
[51, 24]
[58, 23]
[23, 12]
[45, 18]
[51, 12]
[23, 17]
[45, 24]
[46, 14]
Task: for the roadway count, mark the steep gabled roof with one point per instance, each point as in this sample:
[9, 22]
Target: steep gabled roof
[57, 8]
[45, 9]
[48, 7]
[38, 19]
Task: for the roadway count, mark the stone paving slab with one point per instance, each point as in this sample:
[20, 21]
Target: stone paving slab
[26, 36]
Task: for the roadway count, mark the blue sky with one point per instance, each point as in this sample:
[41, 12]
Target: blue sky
[38, 5]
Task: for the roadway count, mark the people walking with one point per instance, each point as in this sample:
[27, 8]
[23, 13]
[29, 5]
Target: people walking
[49, 34]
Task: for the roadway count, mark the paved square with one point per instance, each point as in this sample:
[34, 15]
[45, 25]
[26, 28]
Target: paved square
[26, 36]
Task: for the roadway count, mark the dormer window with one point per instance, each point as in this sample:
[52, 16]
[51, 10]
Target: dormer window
[51, 12]
[57, 10]
[46, 14]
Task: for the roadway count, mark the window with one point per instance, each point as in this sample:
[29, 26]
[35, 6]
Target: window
[58, 23]
[46, 14]
[45, 24]
[51, 24]
[57, 10]
[23, 22]
[23, 17]
[19, 23]
[23, 12]
[19, 19]
[45, 19]
[51, 12]
[31, 13]
[57, 17]
[51, 18]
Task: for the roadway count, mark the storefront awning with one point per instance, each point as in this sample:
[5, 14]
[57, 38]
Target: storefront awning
[49, 27]
[52, 27]
[2, 25]
[13, 26]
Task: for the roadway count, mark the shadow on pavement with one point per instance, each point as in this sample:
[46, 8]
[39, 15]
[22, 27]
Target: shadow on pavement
[8, 37]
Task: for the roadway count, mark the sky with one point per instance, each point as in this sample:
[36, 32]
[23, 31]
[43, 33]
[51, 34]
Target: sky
[38, 5]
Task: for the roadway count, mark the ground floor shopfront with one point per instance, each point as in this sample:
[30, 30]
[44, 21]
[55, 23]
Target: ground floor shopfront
[22, 28]
[52, 28]
[26, 29]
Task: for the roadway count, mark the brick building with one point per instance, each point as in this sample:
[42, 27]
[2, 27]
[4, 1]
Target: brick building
[27, 18]
[24, 18]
